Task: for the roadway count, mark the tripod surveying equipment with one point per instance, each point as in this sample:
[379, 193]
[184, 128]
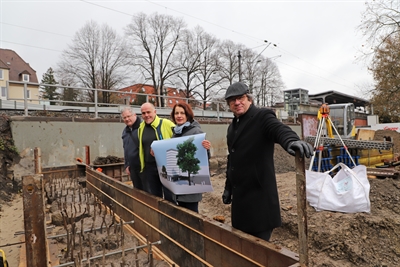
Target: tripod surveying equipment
[324, 119]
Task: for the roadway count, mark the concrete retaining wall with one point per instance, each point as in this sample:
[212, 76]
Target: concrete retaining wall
[62, 140]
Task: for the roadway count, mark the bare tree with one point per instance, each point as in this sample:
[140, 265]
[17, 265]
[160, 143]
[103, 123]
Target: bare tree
[208, 75]
[250, 68]
[155, 39]
[229, 63]
[381, 20]
[381, 28]
[97, 58]
[190, 54]
[271, 85]
[263, 78]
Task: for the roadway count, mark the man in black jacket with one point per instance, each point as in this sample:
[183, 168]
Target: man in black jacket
[130, 142]
[250, 178]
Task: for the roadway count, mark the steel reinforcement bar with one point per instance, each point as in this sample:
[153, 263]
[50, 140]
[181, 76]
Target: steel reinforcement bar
[187, 238]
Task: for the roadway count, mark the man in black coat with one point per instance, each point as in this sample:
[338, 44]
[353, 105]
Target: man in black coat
[250, 178]
[130, 142]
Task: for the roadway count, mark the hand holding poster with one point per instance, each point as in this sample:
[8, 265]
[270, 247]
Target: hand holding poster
[182, 164]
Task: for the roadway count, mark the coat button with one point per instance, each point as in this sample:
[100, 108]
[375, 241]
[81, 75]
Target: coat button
[233, 150]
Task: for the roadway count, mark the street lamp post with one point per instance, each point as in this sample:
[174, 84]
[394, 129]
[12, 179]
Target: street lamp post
[240, 56]
[240, 66]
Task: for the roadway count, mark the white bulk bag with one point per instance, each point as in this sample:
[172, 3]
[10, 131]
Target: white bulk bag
[347, 191]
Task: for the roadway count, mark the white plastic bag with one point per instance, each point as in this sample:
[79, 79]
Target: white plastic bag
[347, 191]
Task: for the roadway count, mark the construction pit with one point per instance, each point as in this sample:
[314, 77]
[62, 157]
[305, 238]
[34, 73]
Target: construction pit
[79, 216]
[334, 239]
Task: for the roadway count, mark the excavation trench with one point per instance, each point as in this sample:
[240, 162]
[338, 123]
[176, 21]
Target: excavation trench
[77, 216]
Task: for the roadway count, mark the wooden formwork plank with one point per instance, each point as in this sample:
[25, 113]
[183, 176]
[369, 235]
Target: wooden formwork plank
[73, 171]
[230, 240]
[229, 258]
[365, 134]
[185, 228]
[188, 238]
[145, 216]
[213, 253]
[266, 253]
[34, 221]
[243, 248]
[253, 250]
[302, 208]
[218, 247]
[114, 170]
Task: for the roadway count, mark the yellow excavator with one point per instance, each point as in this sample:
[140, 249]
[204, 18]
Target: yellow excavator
[342, 116]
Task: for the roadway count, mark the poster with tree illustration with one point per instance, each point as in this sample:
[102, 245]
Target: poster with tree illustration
[183, 164]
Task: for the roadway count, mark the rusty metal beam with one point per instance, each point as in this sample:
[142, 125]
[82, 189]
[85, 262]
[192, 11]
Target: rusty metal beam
[301, 209]
[38, 159]
[87, 155]
[34, 221]
[188, 238]
[384, 172]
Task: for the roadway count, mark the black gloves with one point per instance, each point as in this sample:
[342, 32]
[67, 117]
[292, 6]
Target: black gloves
[227, 197]
[304, 148]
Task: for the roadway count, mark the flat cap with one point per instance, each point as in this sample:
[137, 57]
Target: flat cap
[236, 89]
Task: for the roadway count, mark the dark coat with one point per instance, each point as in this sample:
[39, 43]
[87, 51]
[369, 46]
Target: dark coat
[130, 142]
[250, 171]
[193, 128]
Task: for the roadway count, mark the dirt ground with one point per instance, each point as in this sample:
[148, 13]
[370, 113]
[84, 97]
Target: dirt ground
[334, 239]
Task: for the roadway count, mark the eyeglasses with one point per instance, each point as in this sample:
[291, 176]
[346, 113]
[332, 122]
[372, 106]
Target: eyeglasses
[233, 99]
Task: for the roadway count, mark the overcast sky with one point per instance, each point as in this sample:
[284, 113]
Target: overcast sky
[317, 42]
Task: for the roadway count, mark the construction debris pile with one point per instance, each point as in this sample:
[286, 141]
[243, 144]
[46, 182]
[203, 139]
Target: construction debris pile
[107, 160]
[395, 136]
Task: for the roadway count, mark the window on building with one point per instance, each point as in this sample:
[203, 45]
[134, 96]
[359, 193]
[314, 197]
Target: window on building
[143, 90]
[25, 77]
[28, 94]
[3, 92]
[170, 101]
[1, 75]
[176, 101]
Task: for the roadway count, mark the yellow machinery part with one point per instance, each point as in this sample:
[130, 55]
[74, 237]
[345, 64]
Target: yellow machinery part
[363, 153]
[3, 260]
[353, 132]
[327, 123]
[367, 157]
[329, 129]
[374, 160]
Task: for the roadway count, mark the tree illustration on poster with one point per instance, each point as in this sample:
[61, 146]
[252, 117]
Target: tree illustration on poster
[182, 164]
[186, 160]
[164, 171]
